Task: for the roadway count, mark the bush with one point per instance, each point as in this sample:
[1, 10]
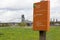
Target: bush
[22, 24]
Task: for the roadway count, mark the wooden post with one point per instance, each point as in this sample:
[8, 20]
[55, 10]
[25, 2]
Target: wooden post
[42, 35]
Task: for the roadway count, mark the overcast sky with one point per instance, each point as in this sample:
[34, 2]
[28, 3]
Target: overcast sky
[11, 10]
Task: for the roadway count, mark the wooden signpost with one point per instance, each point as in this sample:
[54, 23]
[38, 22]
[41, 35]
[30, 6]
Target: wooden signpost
[41, 18]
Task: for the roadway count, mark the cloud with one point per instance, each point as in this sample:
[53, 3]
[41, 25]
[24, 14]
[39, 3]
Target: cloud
[11, 10]
[55, 9]
[9, 16]
[17, 4]
[54, 3]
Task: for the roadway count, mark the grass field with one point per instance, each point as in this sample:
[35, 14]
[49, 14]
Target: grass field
[27, 34]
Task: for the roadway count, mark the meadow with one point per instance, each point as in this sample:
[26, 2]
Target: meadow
[17, 33]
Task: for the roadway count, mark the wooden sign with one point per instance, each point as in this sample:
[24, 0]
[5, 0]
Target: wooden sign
[41, 16]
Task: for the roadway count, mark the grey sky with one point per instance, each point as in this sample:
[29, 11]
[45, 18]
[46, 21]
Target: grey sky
[10, 10]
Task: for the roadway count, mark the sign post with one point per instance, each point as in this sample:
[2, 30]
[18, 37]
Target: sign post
[42, 35]
[41, 18]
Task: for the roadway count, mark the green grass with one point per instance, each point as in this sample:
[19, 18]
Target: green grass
[27, 34]
[54, 33]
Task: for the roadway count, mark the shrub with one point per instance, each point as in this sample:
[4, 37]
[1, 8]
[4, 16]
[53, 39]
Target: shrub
[22, 24]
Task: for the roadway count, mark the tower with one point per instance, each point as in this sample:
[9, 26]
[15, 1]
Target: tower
[22, 18]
